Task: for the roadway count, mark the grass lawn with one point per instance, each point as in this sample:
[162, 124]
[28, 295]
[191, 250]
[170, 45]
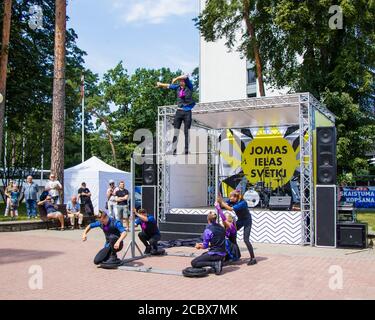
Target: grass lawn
[368, 217]
[21, 212]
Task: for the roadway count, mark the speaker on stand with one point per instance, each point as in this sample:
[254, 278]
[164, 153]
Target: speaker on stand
[326, 155]
[149, 180]
[325, 190]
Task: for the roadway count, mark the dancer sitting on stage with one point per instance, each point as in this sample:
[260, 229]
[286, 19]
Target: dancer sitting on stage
[233, 251]
[114, 233]
[240, 208]
[150, 234]
[185, 103]
[214, 241]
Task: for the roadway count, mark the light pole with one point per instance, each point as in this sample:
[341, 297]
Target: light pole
[83, 115]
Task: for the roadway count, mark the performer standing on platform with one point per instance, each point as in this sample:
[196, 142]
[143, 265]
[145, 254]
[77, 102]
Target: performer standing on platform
[240, 208]
[214, 241]
[185, 103]
[150, 234]
[114, 233]
[233, 251]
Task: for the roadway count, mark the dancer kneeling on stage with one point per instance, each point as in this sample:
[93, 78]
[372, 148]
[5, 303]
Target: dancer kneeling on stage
[214, 240]
[150, 234]
[114, 233]
[233, 251]
[240, 208]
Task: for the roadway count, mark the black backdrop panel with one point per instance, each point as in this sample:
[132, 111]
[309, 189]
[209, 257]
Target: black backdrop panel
[325, 215]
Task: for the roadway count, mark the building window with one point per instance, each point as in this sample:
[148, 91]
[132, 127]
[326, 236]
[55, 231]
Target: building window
[250, 76]
[251, 95]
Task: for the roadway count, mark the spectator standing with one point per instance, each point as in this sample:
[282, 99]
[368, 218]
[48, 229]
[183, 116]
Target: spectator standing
[85, 199]
[111, 202]
[7, 192]
[73, 210]
[53, 187]
[14, 199]
[122, 210]
[30, 191]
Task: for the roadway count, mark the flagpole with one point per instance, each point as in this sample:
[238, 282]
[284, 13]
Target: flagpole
[83, 116]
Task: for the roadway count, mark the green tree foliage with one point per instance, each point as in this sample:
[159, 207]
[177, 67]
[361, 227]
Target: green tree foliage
[29, 89]
[300, 51]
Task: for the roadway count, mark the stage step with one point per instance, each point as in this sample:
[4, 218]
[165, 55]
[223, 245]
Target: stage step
[186, 218]
[168, 235]
[182, 227]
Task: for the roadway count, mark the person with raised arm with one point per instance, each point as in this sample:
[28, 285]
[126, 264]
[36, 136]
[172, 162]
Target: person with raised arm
[185, 103]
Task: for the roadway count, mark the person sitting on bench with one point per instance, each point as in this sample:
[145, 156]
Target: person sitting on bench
[114, 233]
[214, 240]
[150, 234]
[233, 251]
[51, 210]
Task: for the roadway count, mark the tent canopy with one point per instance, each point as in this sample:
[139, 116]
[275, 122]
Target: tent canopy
[96, 173]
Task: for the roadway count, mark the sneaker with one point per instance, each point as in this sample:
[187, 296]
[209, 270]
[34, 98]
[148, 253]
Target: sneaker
[252, 262]
[218, 267]
[147, 250]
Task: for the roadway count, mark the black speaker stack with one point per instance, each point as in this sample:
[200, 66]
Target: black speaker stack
[325, 190]
[149, 167]
[149, 179]
[328, 231]
[326, 155]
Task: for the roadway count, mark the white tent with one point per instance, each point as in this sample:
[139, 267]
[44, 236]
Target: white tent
[96, 173]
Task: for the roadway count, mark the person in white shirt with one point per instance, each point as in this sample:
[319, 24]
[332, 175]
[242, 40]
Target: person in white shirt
[53, 187]
[111, 202]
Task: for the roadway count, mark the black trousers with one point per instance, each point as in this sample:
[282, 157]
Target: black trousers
[206, 260]
[186, 118]
[108, 251]
[149, 241]
[246, 224]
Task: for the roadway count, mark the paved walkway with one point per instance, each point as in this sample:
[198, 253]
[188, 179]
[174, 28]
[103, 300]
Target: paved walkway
[283, 272]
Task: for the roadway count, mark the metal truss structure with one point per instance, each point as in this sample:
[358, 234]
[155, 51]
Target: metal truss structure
[303, 105]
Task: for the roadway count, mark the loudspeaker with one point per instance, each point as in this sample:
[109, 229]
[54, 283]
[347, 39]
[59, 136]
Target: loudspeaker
[149, 167]
[280, 203]
[325, 215]
[352, 235]
[149, 199]
[326, 155]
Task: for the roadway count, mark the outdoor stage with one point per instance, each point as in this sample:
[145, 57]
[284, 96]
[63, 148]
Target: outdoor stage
[261, 146]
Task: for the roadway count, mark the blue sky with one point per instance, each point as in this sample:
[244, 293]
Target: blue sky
[141, 33]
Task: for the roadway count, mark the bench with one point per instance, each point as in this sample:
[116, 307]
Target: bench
[61, 208]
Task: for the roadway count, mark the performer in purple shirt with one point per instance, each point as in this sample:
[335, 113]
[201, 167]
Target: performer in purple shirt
[239, 206]
[185, 103]
[214, 241]
[233, 251]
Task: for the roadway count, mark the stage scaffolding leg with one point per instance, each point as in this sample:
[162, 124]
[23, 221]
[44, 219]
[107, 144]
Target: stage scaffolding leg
[132, 246]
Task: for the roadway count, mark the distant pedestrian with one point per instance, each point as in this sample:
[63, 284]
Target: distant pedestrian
[30, 191]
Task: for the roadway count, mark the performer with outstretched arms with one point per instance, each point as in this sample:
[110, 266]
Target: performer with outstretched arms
[240, 208]
[185, 103]
[114, 233]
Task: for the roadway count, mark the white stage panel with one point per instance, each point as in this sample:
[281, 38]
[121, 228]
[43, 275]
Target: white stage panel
[283, 227]
[188, 185]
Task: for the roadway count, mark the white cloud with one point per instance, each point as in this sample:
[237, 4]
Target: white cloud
[153, 11]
